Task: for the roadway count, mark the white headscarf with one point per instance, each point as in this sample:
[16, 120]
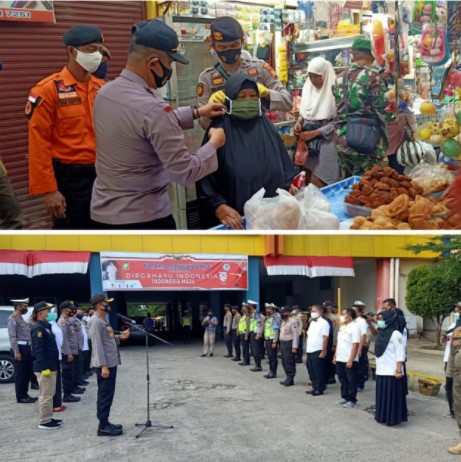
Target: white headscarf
[319, 104]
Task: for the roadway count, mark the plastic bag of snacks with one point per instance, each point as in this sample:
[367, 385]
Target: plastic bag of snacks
[432, 178]
[282, 212]
[315, 199]
[319, 219]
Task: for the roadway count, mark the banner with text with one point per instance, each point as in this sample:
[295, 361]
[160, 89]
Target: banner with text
[153, 271]
[27, 11]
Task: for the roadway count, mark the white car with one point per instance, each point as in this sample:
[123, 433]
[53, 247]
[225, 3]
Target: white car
[6, 358]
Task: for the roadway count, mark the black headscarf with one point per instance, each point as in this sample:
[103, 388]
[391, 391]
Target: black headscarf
[401, 321]
[384, 335]
[237, 82]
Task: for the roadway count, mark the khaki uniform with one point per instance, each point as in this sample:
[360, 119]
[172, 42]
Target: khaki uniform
[227, 328]
[210, 81]
[69, 337]
[18, 331]
[105, 344]
[288, 340]
[78, 332]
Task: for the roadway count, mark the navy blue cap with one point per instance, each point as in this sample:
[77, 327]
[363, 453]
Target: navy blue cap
[40, 306]
[226, 29]
[82, 35]
[156, 34]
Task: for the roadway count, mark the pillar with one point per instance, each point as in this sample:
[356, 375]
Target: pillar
[253, 280]
[383, 286]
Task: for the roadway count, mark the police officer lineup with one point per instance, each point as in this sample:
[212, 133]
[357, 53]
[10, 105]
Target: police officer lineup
[81, 127]
[55, 348]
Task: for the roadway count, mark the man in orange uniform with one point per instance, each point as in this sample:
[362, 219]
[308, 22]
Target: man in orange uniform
[62, 146]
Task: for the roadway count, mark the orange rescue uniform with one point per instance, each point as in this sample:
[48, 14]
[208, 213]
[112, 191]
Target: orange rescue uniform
[60, 114]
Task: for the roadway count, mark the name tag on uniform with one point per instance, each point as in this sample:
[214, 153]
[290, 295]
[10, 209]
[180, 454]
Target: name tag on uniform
[217, 81]
[67, 95]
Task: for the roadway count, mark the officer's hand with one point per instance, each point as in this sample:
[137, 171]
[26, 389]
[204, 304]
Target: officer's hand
[298, 128]
[274, 346]
[217, 97]
[17, 356]
[70, 357]
[46, 373]
[229, 217]
[334, 361]
[55, 204]
[105, 372]
[294, 350]
[217, 137]
[263, 91]
[124, 335]
[211, 110]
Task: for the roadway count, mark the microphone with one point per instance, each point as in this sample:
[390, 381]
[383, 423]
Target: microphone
[124, 318]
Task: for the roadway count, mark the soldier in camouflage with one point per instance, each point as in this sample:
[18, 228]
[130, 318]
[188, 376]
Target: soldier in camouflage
[367, 92]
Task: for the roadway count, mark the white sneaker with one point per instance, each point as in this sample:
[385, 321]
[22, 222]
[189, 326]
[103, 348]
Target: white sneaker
[341, 402]
[349, 405]
[49, 426]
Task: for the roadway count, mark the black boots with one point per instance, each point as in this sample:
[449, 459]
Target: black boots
[288, 382]
[107, 429]
[271, 375]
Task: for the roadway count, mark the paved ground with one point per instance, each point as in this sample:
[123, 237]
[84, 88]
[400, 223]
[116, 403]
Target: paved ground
[224, 412]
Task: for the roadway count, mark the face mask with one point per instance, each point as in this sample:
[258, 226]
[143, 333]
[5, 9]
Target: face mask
[50, 317]
[245, 109]
[343, 319]
[89, 61]
[229, 56]
[24, 310]
[161, 81]
[456, 316]
[314, 315]
[80, 316]
[101, 71]
[285, 316]
[381, 324]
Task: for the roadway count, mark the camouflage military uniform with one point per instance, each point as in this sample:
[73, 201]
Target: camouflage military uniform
[366, 96]
[210, 81]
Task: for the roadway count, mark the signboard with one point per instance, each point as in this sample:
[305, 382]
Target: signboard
[27, 11]
[152, 271]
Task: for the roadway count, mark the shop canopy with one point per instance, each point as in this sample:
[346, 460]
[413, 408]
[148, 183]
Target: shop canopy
[31, 263]
[309, 266]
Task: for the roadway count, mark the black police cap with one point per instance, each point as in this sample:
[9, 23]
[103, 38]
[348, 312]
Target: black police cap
[226, 29]
[156, 34]
[40, 306]
[82, 35]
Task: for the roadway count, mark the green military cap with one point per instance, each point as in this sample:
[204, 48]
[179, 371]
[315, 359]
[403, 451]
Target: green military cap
[362, 44]
[82, 35]
[226, 29]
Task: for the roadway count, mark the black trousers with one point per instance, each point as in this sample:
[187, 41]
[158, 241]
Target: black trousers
[362, 368]
[288, 358]
[449, 393]
[299, 355]
[316, 366]
[75, 183]
[186, 333]
[256, 349]
[228, 342]
[162, 223]
[81, 363]
[57, 398]
[86, 361]
[271, 356]
[245, 349]
[348, 379]
[23, 370]
[75, 371]
[106, 390]
[329, 366]
[236, 343]
[67, 386]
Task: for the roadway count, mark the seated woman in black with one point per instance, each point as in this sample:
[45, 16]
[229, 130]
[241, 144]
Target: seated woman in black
[253, 157]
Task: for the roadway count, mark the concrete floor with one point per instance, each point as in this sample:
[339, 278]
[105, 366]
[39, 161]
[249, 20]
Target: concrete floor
[224, 412]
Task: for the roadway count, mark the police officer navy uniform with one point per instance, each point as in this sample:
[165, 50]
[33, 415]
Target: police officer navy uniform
[227, 40]
[20, 342]
[105, 358]
[46, 364]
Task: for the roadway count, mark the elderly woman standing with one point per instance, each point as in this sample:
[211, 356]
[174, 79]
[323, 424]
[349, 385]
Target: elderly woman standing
[316, 124]
[391, 404]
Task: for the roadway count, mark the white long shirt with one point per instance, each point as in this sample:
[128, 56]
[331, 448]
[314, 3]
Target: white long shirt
[85, 337]
[58, 336]
[348, 334]
[447, 345]
[318, 328]
[394, 353]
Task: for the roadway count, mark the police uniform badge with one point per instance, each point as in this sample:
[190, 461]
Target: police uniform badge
[217, 36]
[200, 89]
[39, 334]
[217, 81]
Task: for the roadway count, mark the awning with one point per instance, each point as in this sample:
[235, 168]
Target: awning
[32, 263]
[309, 266]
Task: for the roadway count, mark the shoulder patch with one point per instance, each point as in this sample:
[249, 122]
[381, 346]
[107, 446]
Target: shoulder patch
[270, 70]
[208, 69]
[32, 102]
[200, 89]
[39, 333]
